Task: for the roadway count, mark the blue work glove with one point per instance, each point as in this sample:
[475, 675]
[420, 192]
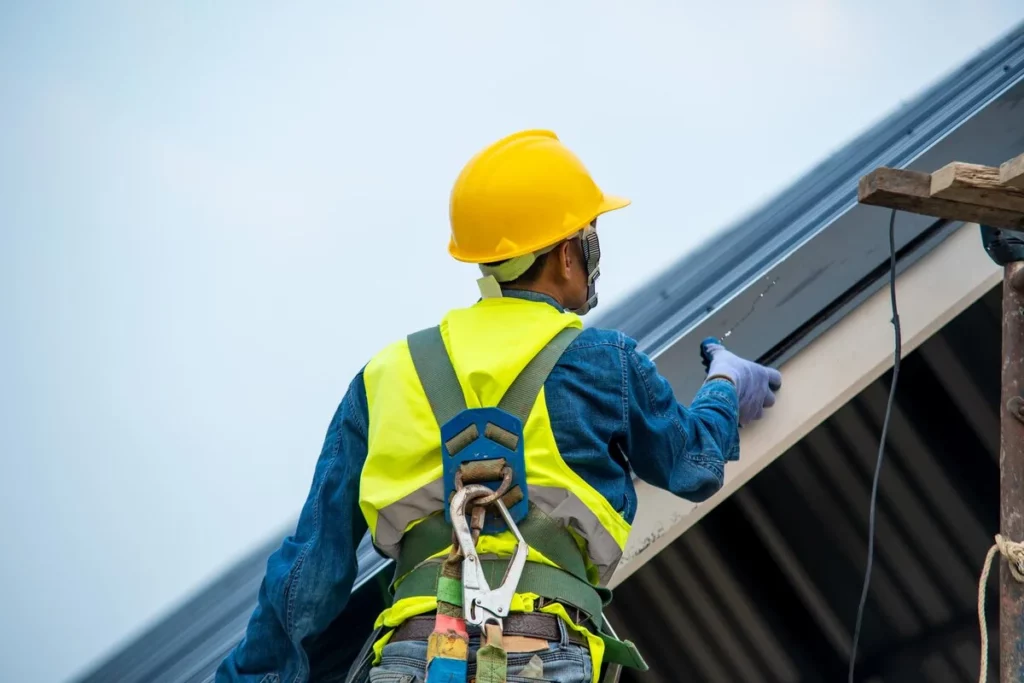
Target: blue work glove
[755, 383]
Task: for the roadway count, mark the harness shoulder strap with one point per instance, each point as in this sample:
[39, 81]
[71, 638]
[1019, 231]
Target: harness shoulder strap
[441, 384]
[520, 397]
[436, 373]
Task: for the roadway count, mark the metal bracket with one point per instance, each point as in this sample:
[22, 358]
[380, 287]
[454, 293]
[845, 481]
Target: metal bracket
[1016, 407]
[1002, 246]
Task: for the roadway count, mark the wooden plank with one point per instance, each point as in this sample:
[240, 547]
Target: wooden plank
[1012, 172]
[911, 191]
[974, 184]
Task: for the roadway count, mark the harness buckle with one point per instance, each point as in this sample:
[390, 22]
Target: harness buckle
[476, 446]
[480, 603]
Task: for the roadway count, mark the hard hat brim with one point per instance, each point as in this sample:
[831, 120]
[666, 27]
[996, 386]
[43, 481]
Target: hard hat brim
[608, 203]
[611, 203]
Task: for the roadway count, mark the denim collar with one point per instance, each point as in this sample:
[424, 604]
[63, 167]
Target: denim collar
[527, 295]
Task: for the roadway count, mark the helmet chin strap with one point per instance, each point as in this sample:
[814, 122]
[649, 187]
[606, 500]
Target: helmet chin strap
[592, 263]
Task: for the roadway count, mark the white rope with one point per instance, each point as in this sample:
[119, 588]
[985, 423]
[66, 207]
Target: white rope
[1014, 554]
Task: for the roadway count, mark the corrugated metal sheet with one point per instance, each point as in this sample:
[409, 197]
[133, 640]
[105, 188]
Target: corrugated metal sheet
[956, 113]
[765, 588]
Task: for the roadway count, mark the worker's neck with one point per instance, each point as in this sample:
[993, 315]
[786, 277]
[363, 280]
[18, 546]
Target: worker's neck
[540, 288]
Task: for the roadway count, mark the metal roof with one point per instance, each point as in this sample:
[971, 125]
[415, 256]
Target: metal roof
[797, 265]
[765, 587]
[968, 116]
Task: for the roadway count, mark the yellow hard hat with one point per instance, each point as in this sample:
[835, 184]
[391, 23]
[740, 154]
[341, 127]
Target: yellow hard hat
[519, 195]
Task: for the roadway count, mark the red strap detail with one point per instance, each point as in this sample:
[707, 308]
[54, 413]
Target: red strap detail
[443, 624]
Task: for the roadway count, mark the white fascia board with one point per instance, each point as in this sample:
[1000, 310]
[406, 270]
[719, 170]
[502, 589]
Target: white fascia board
[826, 374]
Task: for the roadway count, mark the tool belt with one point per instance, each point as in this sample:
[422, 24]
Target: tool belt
[527, 625]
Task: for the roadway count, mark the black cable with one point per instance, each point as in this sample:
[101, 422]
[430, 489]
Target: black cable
[881, 445]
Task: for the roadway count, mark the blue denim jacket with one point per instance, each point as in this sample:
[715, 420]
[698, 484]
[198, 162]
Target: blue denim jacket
[610, 411]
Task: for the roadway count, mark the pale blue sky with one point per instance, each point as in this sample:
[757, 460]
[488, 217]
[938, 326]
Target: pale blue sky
[211, 214]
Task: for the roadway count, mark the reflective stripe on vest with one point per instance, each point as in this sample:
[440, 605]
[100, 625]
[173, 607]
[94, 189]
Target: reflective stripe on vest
[489, 344]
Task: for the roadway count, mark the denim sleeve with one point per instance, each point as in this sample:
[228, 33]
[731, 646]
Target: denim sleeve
[680, 449]
[309, 578]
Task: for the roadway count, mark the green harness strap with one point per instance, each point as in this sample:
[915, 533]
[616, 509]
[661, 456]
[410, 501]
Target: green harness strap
[542, 533]
[444, 392]
[434, 367]
[491, 659]
[542, 579]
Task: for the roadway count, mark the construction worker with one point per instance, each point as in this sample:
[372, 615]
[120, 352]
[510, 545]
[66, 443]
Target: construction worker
[511, 414]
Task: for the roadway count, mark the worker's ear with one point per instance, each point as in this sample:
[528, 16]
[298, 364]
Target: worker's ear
[566, 259]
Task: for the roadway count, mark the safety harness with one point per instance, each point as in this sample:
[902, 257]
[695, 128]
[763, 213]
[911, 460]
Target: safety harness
[484, 476]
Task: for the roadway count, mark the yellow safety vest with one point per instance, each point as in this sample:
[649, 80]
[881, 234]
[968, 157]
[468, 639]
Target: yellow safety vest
[489, 344]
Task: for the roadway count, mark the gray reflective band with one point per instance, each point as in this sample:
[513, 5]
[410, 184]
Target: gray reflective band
[441, 384]
[393, 519]
[564, 505]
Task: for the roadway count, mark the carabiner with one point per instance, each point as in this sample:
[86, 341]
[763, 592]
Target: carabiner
[481, 604]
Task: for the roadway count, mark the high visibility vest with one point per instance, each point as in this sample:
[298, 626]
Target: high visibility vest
[401, 484]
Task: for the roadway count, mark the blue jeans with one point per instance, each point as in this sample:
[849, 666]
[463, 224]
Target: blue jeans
[563, 662]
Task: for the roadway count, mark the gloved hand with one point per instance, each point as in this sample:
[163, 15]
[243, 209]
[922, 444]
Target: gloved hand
[755, 383]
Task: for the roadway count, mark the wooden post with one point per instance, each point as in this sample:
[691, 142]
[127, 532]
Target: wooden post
[992, 197]
[1011, 474]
